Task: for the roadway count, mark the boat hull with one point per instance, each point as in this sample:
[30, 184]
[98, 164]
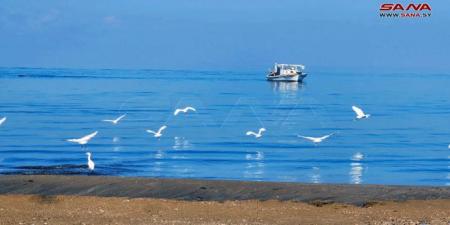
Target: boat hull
[287, 78]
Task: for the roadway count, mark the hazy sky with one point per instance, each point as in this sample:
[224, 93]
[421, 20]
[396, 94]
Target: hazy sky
[345, 35]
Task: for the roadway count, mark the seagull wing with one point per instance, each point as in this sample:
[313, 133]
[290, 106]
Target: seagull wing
[307, 138]
[261, 130]
[189, 108]
[151, 131]
[358, 111]
[326, 136]
[2, 120]
[111, 121]
[119, 118]
[88, 137]
[162, 128]
[73, 140]
[251, 133]
[176, 112]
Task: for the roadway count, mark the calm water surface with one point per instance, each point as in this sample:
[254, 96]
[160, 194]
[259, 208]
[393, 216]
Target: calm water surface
[404, 142]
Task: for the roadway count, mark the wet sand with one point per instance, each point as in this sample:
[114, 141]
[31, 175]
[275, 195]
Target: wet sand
[214, 190]
[115, 200]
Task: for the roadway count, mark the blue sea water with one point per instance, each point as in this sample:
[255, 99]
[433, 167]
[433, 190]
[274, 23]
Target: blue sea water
[405, 141]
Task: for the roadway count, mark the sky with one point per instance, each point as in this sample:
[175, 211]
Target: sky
[329, 35]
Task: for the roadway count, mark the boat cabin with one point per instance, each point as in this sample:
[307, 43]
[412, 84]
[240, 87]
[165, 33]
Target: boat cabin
[287, 69]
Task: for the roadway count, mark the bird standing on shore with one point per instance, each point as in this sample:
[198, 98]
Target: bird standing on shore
[316, 140]
[257, 135]
[83, 140]
[359, 113]
[184, 110]
[91, 164]
[115, 121]
[157, 134]
[2, 120]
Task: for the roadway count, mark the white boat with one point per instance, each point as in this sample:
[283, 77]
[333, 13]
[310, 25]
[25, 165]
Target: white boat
[287, 72]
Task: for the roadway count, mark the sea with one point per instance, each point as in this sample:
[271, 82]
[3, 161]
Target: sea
[405, 141]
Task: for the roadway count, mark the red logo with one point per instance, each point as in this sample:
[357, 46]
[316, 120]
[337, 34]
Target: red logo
[416, 7]
[397, 10]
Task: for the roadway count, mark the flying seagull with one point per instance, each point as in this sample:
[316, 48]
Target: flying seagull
[257, 135]
[359, 113]
[115, 121]
[2, 120]
[91, 164]
[357, 156]
[83, 140]
[185, 110]
[316, 140]
[157, 134]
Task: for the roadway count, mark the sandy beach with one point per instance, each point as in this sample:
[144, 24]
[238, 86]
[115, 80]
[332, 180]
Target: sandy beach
[26, 209]
[116, 200]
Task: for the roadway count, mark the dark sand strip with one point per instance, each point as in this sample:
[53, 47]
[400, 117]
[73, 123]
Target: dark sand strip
[212, 190]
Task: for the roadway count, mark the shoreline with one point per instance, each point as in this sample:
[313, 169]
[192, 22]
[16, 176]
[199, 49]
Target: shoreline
[214, 190]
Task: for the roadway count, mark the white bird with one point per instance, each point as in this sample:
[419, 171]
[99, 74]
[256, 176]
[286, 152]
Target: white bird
[2, 120]
[83, 140]
[359, 113]
[316, 139]
[91, 164]
[185, 110]
[357, 156]
[115, 121]
[257, 135]
[157, 134]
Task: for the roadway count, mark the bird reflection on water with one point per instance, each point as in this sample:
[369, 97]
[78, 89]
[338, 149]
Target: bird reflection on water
[315, 176]
[356, 170]
[254, 168]
[181, 143]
